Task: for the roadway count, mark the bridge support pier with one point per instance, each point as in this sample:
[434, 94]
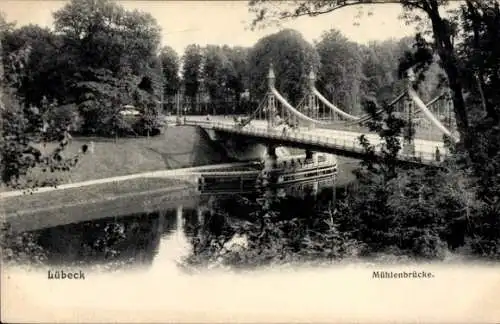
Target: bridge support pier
[271, 151]
[409, 147]
[270, 163]
[161, 223]
[200, 211]
[179, 220]
[272, 157]
[309, 154]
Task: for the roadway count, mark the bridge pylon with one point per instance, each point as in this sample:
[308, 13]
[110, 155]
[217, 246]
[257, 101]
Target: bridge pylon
[450, 120]
[271, 100]
[271, 111]
[409, 129]
[312, 105]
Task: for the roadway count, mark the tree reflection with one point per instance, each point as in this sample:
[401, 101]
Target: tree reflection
[106, 244]
[296, 223]
[277, 221]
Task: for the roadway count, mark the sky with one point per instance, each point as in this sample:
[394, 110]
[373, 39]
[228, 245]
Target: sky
[225, 22]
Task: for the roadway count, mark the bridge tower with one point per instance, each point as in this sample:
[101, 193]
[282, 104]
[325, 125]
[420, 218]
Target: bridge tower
[448, 112]
[312, 106]
[312, 100]
[408, 108]
[409, 130]
[271, 100]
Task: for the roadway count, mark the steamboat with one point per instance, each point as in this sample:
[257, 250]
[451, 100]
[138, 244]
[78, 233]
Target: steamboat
[291, 169]
[283, 171]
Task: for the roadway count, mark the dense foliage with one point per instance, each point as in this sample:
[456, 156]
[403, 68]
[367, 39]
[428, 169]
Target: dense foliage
[292, 57]
[100, 57]
[95, 48]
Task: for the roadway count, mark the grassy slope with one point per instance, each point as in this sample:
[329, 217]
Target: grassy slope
[95, 192]
[178, 147]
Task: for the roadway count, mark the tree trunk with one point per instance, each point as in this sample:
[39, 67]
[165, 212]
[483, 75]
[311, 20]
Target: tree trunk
[442, 36]
[474, 15]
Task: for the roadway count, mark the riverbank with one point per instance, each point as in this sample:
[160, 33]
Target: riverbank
[177, 147]
[115, 196]
[96, 192]
[110, 200]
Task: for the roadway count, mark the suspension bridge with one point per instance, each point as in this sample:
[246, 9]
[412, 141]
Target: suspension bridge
[316, 124]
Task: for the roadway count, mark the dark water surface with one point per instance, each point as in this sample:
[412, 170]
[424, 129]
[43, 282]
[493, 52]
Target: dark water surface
[137, 240]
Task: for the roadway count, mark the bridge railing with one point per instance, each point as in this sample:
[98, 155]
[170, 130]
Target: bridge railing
[348, 143]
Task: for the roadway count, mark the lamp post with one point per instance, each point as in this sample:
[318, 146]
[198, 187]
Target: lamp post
[224, 95]
[201, 94]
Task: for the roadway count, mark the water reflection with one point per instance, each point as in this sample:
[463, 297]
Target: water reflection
[133, 239]
[158, 239]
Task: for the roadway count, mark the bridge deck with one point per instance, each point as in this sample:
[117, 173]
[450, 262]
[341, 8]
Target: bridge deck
[333, 141]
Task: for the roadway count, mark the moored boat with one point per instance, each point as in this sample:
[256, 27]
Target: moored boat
[297, 168]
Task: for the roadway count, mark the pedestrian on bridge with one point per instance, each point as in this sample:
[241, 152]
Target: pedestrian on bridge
[438, 154]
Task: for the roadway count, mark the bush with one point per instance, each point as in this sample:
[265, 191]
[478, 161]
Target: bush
[283, 233]
[63, 117]
[20, 248]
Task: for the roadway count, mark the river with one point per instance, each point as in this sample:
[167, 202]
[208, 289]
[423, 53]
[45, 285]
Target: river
[140, 240]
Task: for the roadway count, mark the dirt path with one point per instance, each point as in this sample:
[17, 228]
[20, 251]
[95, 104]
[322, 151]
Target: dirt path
[152, 174]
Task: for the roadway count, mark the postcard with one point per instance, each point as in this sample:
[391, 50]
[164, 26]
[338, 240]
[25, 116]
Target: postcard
[250, 161]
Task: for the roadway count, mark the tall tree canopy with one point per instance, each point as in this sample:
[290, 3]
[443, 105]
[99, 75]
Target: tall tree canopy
[238, 74]
[292, 57]
[170, 65]
[41, 71]
[21, 129]
[101, 38]
[217, 71]
[381, 67]
[341, 72]
[192, 69]
[105, 35]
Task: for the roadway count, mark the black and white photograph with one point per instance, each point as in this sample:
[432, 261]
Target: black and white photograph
[322, 161]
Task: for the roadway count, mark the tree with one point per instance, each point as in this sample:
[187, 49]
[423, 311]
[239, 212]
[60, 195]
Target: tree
[20, 150]
[380, 68]
[103, 98]
[104, 43]
[224, 73]
[341, 71]
[292, 57]
[170, 66]
[217, 70]
[42, 49]
[191, 69]
[238, 78]
[105, 35]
